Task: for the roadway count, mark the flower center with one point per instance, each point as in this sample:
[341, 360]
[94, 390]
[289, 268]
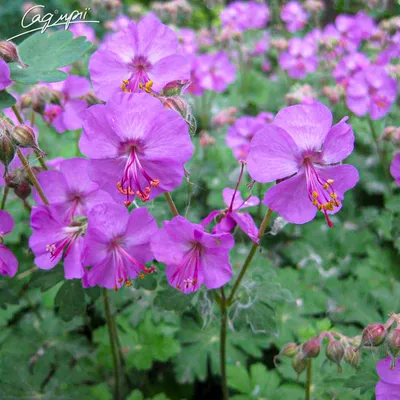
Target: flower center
[135, 180]
[320, 191]
[123, 260]
[186, 276]
[139, 78]
[52, 111]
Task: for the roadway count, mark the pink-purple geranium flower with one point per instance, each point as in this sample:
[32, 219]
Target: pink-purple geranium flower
[8, 262]
[137, 147]
[71, 187]
[214, 71]
[395, 168]
[117, 245]
[241, 16]
[229, 218]
[388, 388]
[371, 91]
[240, 134]
[187, 41]
[192, 256]
[300, 59]
[5, 80]
[294, 16]
[56, 237]
[300, 149]
[144, 55]
[68, 116]
[348, 66]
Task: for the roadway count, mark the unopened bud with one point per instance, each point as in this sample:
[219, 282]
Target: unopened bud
[175, 88]
[7, 150]
[289, 350]
[23, 190]
[181, 106]
[206, 139]
[392, 342]
[311, 348]
[9, 53]
[335, 352]
[91, 99]
[24, 136]
[25, 101]
[373, 335]
[352, 357]
[299, 364]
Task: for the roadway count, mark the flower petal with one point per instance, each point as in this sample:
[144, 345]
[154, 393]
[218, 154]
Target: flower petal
[8, 262]
[273, 155]
[6, 223]
[308, 125]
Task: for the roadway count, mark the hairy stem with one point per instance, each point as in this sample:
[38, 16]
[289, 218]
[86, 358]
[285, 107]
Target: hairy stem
[32, 177]
[171, 204]
[222, 345]
[113, 343]
[309, 379]
[4, 198]
[250, 256]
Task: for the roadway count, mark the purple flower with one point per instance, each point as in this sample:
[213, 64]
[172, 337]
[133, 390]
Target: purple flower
[395, 168]
[240, 134]
[144, 55]
[8, 262]
[72, 188]
[371, 91]
[56, 237]
[137, 147]
[215, 71]
[348, 66]
[117, 245]
[194, 88]
[299, 148]
[300, 58]
[187, 41]
[5, 80]
[230, 217]
[193, 257]
[68, 116]
[389, 385]
[294, 16]
[241, 16]
[391, 51]
[82, 29]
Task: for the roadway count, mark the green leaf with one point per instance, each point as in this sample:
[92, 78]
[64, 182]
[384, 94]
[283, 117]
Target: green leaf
[6, 100]
[136, 395]
[365, 380]
[45, 280]
[172, 299]
[44, 53]
[70, 299]
[238, 378]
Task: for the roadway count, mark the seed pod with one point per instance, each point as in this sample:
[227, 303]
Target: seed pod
[373, 335]
[392, 342]
[335, 352]
[7, 150]
[9, 53]
[352, 357]
[311, 348]
[299, 364]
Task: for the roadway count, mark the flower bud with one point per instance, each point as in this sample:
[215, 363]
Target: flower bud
[206, 139]
[373, 335]
[335, 352]
[181, 106]
[23, 190]
[175, 88]
[392, 342]
[351, 356]
[9, 53]
[92, 99]
[25, 101]
[311, 348]
[299, 364]
[289, 350]
[24, 136]
[7, 150]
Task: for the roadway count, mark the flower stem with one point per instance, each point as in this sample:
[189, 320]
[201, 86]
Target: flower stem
[222, 345]
[32, 177]
[309, 379]
[113, 344]
[250, 256]
[171, 204]
[4, 198]
[21, 121]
